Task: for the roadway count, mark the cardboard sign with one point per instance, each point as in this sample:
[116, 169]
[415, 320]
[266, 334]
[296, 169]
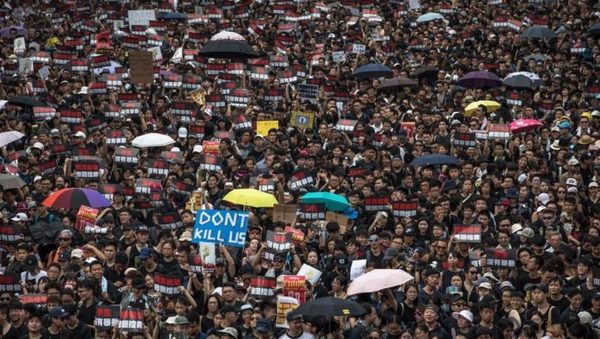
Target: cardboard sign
[338, 56]
[499, 131]
[208, 255]
[312, 274]
[302, 119]
[274, 95]
[166, 285]
[346, 125]
[218, 226]
[182, 188]
[405, 209]
[126, 156]
[210, 162]
[374, 204]
[70, 116]
[131, 320]
[157, 168]
[285, 213]
[279, 242]
[308, 92]
[297, 235]
[262, 287]
[33, 299]
[86, 216]
[196, 264]
[140, 17]
[10, 283]
[86, 167]
[10, 235]
[358, 49]
[341, 219]
[43, 113]
[115, 138]
[500, 258]
[108, 190]
[284, 306]
[263, 127]
[141, 67]
[312, 211]
[467, 233]
[170, 221]
[147, 186]
[210, 147]
[107, 316]
[294, 286]
[25, 66]
[197, 131]
[301, 179]
[465, 140]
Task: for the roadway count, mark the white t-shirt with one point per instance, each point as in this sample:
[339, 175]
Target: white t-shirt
[304, 335]
[28, 276]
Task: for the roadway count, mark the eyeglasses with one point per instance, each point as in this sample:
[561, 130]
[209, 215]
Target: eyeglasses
[64, 239]
[473, 272]
[5, 298]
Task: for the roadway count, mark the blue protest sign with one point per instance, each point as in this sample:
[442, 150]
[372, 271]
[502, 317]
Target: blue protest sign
[222, 227]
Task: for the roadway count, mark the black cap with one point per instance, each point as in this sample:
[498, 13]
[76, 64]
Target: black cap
[31, 261]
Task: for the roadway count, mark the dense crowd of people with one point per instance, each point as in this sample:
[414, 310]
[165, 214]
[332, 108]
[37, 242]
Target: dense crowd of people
[503, 241]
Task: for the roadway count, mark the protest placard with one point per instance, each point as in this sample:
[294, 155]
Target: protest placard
[295, 286]
[357, 268]
[263, 127]
[86, 216]
[312, 274]
[467, 233]
[284, 306]
[165, 284]
[262, 287]
[141, 67]
[10, 282]
[302, 119]
[107, 316]
[279, 242]
[131, 320]
[219, 226]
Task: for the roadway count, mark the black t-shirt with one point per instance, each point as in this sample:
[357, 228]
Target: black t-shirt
[81, 331]
[13, 333]
[87, 314]
[562, 303]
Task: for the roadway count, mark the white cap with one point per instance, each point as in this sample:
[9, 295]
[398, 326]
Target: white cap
[79, 134]
[20, 217]
[596, 113]
[585, 317]
[37, 178]
[522, 178]
[543, 198]
[572, 190]
[573, 162]
[593, 184]
[465, 314]
[515, 228]
[571, 182]
[485, 285]
[38, 145]
[197, 149]
[175, 149]
[182, 132]
[77, 253]
[84, 90]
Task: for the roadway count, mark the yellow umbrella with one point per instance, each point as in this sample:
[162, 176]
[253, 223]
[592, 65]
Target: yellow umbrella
[250, 197]
[490, 106]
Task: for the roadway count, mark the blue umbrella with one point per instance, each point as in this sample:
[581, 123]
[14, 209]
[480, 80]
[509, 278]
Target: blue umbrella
[523, 80]
[435, 159]
[538, 32]
[333, 202]
[172, 16]
[370, 71]
[480, 79]
[431, 16]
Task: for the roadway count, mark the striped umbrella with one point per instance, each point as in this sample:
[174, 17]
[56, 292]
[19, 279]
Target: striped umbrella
[73, 198]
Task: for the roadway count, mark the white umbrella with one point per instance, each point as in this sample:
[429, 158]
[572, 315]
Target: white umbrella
[10, 136]
[227, 35]
[152, 140]
[377, 280]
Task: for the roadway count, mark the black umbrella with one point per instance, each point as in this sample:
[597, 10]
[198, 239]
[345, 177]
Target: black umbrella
[394, 83]
[330, 306]
[425, 72]
[228, 45]
[536, 57]
[370, 71]
[25, 101]
[594, 30]
[538, 32]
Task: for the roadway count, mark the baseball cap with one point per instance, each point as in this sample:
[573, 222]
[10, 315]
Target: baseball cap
[515, 228]
[507, 284]
[543, 198]
[571, 182]
[57, 312]
[20, 217]
[593, 184]
[181, 320]
[264, 325]
[373, 238]
[77, 253]
[145, 253]
[229, 331]
[79, 134]
[246, 307]
[38, 145]
[572, 190]
[220, 261]
[182, 132]
[465, 314]
[485, 285]
[197, 149]
[528, 232]
[573, 162]
[433, 307]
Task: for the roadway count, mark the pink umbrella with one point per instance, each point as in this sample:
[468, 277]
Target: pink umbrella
[377, 280]
[525, 125]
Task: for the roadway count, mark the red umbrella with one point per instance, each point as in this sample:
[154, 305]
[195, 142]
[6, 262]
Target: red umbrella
[525, 125]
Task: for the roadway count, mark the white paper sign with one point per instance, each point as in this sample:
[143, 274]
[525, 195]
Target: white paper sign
[156, 53]
[358, 49]
[284, 306]
[118, 24]
[208, 253]
[339, 56]
[414, 4]
[312, 274]
[25, 66]
[357, 268]
[44, 72]
[19, 45]
[140, 17]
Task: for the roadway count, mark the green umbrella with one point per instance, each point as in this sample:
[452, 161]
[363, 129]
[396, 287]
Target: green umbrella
[333, 202]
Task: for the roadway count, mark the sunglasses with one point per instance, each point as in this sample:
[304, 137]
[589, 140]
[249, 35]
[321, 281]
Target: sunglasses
[64, 239]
